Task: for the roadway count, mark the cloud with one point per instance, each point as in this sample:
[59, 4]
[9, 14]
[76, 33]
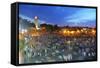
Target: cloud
[25, 17]
[82, 16]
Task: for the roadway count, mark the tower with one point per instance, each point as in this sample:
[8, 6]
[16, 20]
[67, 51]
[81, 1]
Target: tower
[36, 22]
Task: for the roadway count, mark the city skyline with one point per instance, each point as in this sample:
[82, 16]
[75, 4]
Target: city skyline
[62, 16]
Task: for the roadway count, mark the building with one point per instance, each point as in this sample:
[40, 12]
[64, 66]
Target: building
[36, 22]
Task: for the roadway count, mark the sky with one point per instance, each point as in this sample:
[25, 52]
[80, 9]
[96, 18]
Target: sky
[62, 16]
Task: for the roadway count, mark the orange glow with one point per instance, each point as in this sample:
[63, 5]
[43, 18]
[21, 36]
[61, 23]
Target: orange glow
[78, 31]
[82, 30]
[22, 32]
[64, 31]
[93, 31]
[68, 31]
[72, 32]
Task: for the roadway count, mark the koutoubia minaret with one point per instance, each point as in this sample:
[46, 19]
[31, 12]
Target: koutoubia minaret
[36, 22]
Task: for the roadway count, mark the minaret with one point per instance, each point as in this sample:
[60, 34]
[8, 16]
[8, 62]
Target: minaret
[36, 22]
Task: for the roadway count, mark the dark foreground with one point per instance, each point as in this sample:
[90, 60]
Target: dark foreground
[55, 48]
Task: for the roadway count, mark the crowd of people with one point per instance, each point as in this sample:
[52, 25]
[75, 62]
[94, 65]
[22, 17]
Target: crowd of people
[57, 48]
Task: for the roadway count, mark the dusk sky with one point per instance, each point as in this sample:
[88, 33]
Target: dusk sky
[62, 16]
